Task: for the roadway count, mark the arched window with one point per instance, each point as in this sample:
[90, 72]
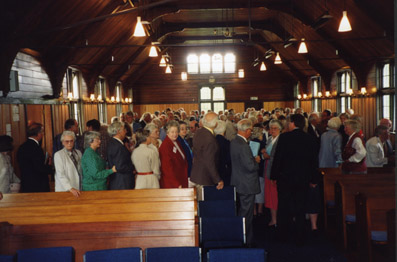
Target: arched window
[205, 64]
[344, 90]
[230, 63]
[101, 94]
[212, 98]
[386, 92]
[217, 63]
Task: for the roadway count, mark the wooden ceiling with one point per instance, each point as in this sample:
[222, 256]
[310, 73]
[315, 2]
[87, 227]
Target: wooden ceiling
[96, 37]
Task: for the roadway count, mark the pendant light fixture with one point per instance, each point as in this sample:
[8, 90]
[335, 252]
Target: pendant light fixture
[139, 31]
[278, 61]
[153, 51]
[168, 70]
[302, 47]
[163, 63]
[263, 67]
[344, 25]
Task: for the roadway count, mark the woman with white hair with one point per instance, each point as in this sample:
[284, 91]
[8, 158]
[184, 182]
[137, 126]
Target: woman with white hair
[224, 161]
[146, 161]
[331, 145]
[154, 135]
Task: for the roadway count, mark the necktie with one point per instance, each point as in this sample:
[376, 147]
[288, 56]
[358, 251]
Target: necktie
[76, 164]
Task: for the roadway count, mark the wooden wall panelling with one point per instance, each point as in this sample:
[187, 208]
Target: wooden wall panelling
[90, 112]
[111, 109]
[140, 109]
[366, 108]
[307, 106]
[125, 108]
[270, 105]
[328, 104]
[238, 107]
[60, 113]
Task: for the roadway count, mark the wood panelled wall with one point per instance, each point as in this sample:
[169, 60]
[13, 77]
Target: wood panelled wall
[140, 109]
[306, 106]
[329, 104]
[156, 87]
[269, 106]
[90, 112]
[366, 108]
[60, 113]
[111, 111]
[238, 107]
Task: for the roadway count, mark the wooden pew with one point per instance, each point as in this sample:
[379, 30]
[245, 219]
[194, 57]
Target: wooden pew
[345, 191]
[372, 215]
[331, 175]
[99, 220]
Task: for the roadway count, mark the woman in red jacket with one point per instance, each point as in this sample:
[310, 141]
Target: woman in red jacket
[173, 160]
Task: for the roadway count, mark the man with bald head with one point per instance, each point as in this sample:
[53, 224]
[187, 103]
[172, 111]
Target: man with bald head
[205, 152]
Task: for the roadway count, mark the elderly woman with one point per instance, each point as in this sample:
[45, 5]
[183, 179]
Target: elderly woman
[331, 144]
[224, 161]
[146, 161]
[7, 176]
[154, 135]
[67, 161]
[120, 157]
[354, 153]
[257, 136]
[94, 167]
[173, 161]
[182, 139]
[271, 198]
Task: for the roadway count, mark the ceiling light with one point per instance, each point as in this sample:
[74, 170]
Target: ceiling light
[168, 70]
[263, 67]
[278, 59]
[162, 62]
[241, 73]
[153, 51]
[184, 76]
[302, 47]
[139, 31]
[344, 25]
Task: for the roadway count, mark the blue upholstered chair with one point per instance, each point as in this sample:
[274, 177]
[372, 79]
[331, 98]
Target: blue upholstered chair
[49, 254]
[172, 254]
[4, 258]
[133, 254]
[217, 208]
[211, 193]
[237, 255]
[222, 232]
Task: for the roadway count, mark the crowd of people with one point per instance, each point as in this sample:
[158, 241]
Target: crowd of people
[176, 149]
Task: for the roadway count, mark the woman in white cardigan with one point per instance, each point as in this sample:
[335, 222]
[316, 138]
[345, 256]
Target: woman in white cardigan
[68, 173]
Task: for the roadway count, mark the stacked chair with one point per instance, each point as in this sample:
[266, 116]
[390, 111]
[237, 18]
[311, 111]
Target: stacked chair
[237, 255]
[172, 254]
[132, 254]
[49, 254]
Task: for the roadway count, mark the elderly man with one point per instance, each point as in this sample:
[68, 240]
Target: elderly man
[130, 119]
[375, 148]
[145, 119]
[119, 156]
[68, 172]
[231, 131]
[33, 163]
[205, 152]
[245, 174]
[388, 146]
[354, 153]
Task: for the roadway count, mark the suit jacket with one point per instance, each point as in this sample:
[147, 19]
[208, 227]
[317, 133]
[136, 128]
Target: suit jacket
[244, 168]
[269, 164]
[119, 156]
[188, 153]
[66, 174]
[34, 172]
[173, 165]
[205, 160]
[295, 160]
[311, 132]
[225, 163]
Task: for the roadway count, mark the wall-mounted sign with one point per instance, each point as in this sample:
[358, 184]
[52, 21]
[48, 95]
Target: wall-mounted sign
[254, 98]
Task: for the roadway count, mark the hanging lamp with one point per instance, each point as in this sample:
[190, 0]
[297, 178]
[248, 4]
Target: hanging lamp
[139, 31]
[344, 25]
[302, 47]
[263, 67]
[278, 61]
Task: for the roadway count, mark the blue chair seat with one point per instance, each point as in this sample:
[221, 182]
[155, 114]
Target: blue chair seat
[5, 258]
[237, 255]
[132, 254]
[50, 254]
[379, 236]
[171, 254]
[222, 231]
[350, 218]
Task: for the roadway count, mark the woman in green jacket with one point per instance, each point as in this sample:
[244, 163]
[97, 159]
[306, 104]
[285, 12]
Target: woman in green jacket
[94, 167]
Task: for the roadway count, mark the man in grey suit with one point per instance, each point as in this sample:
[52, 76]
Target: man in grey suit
[245, 174]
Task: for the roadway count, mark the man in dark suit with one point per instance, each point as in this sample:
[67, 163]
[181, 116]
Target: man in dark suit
[146, 119]
[245, 174]
[295, 169]
[205, 152]
[119, 156]
[32, 162]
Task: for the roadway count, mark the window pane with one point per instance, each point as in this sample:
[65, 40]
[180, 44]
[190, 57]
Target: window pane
[218, 93]
[348, 82]
[205, 64]
[315, 105]
[342, 105]
[205, 93]
[386, 106]
[75, 83]
[192, 64]
[342, 83]
[217, 63]
[386, 76]
[219, 106]
[230, 63]
[315, 87]
[205, 107]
